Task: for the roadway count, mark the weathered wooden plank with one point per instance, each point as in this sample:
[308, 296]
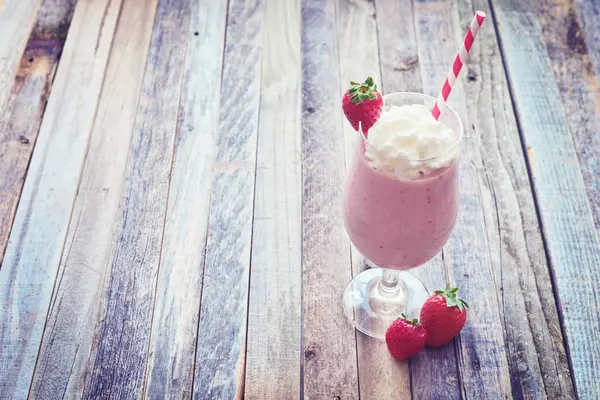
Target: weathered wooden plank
[536, 354]
[118, 357]
[330, 364]
[274, 319]
[221, 347]
[175, 323]
[21, 117]
[588, 12]
[67, 342]
[480, 347]
[572, 61]
[568, 225]
[398, 53]
[33, 254]
[17, 18]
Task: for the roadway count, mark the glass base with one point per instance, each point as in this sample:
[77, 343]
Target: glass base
[371, 308]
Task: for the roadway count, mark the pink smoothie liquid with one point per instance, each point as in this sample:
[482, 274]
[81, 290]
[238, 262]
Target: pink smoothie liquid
[399, 223]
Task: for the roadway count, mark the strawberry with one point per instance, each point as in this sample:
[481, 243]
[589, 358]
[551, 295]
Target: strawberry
[443, 315]
[362, 103]
[405, 338]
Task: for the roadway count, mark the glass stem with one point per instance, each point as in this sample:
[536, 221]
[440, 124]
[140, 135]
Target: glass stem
[388, 287]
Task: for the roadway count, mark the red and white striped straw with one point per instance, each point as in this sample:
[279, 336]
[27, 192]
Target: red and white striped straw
[461, 57]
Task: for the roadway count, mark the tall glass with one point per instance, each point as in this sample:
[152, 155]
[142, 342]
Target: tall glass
[398, 222]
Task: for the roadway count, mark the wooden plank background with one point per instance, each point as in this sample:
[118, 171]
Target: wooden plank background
[25, 104]
[170, 188]
[274, 316]
[122, 335]
[221, 346]
[68, 342]
[536, 355]
[17, 17]
[571, 237]
[329, 344]
[175, 320]
[33, 254]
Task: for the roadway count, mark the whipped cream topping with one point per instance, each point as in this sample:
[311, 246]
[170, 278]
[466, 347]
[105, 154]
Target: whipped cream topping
[408, 142]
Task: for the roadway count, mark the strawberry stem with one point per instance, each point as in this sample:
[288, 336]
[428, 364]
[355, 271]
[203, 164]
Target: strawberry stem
[413, 321]
[452, 300]
[360, 92]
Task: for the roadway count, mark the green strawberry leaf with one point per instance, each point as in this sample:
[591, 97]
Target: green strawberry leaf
[452, 300]
[360, 92]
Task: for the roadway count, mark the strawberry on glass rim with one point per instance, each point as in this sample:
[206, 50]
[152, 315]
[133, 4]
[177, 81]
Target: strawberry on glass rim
[362, 104]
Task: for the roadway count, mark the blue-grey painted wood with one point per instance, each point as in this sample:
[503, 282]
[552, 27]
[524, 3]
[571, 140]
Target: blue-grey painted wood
[481, 358]
[574, 55]
[22, 114]
[221, 346]
[588, 12]
[62, 366]
[572, 240]
[118, 359]
[398, 46]
[172, 347]
[329, 346]
[29, 268]
[16, 21]
[273, 352]
[536, 355]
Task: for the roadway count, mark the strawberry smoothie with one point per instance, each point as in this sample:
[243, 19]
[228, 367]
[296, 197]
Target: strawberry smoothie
[399, 223]
[401, 196]
[400, 202]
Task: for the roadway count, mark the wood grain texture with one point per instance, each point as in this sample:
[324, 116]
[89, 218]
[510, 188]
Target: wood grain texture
[572, 59]
[118, 358]
[33, 254]
[221, 346]
[274, 317]
[172, 347]
[480, 347]
[17, 18]
[567, 221]
[21, 117]
[330, 364]
[588, 13]
[74, 311]
[398, 52]
[536, 354]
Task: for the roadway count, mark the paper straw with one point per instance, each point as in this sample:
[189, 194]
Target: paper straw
[461, 57]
